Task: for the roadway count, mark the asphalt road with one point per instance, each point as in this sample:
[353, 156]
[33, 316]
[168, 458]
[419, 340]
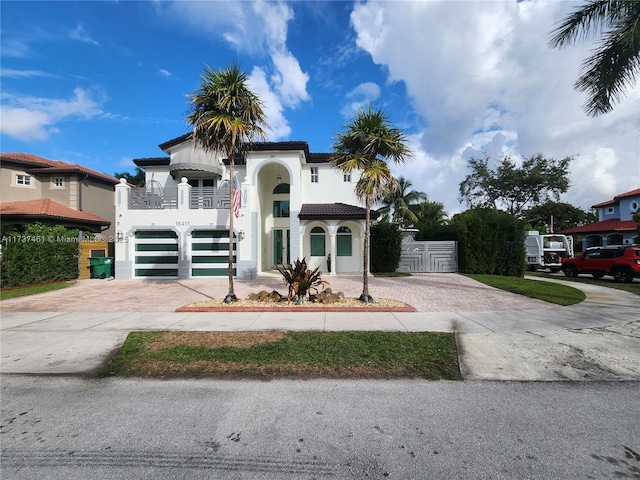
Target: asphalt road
[79, 428]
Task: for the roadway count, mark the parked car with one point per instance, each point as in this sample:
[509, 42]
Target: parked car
[620, 261]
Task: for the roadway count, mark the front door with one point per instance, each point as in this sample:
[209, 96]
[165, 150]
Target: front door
[281, 246]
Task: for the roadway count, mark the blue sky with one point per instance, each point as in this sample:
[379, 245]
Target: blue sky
[101, 83]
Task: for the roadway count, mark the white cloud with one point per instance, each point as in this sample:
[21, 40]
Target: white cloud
[257, 28]
[164, 73]
[35, 118]
[10, 73]
[359, 98]
[279, 127]
[81, 34]
[492, 83]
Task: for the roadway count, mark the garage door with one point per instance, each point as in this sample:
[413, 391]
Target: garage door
[210, 253]
[156, 254]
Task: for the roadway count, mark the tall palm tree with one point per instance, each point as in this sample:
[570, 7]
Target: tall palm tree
[226, 117]
[402, 199]
[366, 145]
[615, 63]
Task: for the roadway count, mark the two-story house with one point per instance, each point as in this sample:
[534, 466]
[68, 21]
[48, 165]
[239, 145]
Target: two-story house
[292, 204]
[615, 225]
[35, 189]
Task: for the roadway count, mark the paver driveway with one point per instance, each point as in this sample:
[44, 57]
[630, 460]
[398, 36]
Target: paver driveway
[427, 293]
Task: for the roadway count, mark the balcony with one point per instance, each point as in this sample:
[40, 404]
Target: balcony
[167, 199]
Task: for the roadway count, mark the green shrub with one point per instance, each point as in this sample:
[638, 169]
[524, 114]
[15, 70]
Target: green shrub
[386, 247]
[490, 242]
[40, 254]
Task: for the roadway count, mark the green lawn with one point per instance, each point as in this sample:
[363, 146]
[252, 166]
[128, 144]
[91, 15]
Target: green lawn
[8, 293]
[288, 354]
[547, 291]
[633, 287]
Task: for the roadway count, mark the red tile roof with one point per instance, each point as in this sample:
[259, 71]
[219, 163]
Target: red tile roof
[47, 208]
[632, 193]
[43, 165]
[612, 225]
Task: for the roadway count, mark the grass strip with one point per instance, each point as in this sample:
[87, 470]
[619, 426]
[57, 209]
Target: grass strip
[547, 291]
[607, 281]
[7, 293]
[349, 354]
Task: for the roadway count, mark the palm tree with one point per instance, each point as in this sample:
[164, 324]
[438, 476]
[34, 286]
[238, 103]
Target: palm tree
[615, 64]
[402, 199]
[366, 145]
[226, 117]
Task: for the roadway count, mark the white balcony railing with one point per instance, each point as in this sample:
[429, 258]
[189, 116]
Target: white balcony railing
[209, 197]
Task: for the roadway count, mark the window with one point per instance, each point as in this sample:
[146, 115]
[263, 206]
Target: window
[317, 242]
[58, 182]
[281, 208]
[343, 242]
[609, 209]
[314, 174]
[346, 178]
[23, 179]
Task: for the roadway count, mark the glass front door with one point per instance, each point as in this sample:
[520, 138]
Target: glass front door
[281, 246]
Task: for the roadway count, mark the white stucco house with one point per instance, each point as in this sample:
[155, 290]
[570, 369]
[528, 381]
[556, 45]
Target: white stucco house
[293, 204]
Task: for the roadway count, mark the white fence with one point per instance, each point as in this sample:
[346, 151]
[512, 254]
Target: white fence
[441, 257]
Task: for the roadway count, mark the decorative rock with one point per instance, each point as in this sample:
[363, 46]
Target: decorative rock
[328, 296]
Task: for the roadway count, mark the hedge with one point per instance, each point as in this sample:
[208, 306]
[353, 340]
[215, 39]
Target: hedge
[40, 254]
[386, 247]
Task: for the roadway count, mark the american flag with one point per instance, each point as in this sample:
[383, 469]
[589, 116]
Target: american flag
[236, 197]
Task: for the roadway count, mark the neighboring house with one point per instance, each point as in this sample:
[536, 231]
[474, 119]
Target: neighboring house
[292, 204]
[615, 225]
[34, 189]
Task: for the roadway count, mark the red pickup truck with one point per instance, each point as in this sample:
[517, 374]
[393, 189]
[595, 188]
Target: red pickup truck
[621, 262]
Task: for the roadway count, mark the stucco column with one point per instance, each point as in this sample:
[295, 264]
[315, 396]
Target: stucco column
[184, 194]
[333, 249]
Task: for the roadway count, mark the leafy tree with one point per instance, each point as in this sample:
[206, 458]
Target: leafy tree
[433, 221]
[226, 117]
[614, 65]
[564, 215]
[401, 199]
[538, 180]
[137, 179]
[367, 144]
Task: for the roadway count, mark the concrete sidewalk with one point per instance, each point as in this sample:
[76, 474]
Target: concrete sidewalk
[598, 339]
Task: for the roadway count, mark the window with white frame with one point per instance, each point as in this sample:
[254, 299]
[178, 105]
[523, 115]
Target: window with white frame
[317, 242]
[314, 174]
[23, 179]
[347, 178]
[609, 210]
[58, 182]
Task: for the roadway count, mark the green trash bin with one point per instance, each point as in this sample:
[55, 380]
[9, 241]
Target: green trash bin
[100, 266]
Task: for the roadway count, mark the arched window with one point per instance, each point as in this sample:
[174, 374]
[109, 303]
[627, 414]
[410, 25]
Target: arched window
[282, 188]
[343, 242]
[317, 242]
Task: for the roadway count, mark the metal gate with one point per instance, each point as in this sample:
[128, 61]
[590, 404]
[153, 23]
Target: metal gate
[431, 257]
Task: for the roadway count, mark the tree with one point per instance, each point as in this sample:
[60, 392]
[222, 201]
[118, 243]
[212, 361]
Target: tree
[136, 179]
[430, 212]
[402, 200]
[538, 180]
[367, 144]
[563, 215]
[226, 117]
[614, 65]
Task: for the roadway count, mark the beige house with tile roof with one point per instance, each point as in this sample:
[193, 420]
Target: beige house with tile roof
[291, 204]
[53, 192]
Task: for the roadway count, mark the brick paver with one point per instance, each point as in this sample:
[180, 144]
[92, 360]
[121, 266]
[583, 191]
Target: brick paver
[427, 293]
